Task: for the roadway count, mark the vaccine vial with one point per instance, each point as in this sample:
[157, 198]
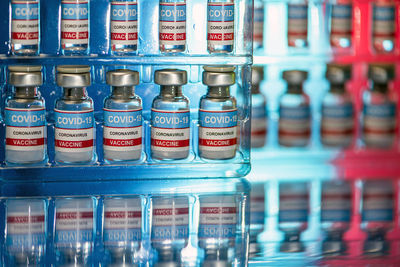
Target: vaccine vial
[25, 117]
[293, 214]
[217, 228]
[379, 114]
[259, 117]
[297, 24]
[337, 118]
[257, 215]
[124, 26]
[258, 26]
[26, 232]
[218, 116]
[169, 229]
[377, 214]
[220, 26]
[341, 24]
[122, 133]
[172, 27]
[122, 230]
[73, 237]
[74, 118]
[383, 26]
[25, 29]
[336, 210]
[170, 116]
[294, 111]
[74, 27]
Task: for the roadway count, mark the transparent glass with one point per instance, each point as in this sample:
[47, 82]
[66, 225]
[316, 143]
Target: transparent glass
[258, 27]
[341, 24]
[383, 26]
[297, 24]
[172, 25]
[259, 119]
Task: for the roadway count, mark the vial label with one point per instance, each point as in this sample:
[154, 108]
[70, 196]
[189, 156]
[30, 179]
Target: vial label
[297, 23]
[378, 202]
[124, 26]
[218, 130]
[341, 23]
[293, 206]
[170, 131]
[294, 123]
[25, 230]
[258, 31]
[383, 27]
[379, 122]
[122, 225]
[258, 126]
[122, 130]
[172, 23]
[25, 129]
[257, 207]
[74, 22]
[337, 123]
[74, 130]
[217, 220]
[170, 223]
[25, 22]
[220, 23]
[335, 204]
[73, 226]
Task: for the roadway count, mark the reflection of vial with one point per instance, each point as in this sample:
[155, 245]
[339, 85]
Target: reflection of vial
[218, 114]
[379, 115]
[293, 214]
[337, 122]
[294, 111]
[124, 26]
[297, 24]
[122, 134]
[122, 232]
[74, 118]
[258, 27]
[217, 228]
[170, 229]
[257, 215]
[25, 27]
[335, 215]
[74, 230]
[383, 26]
[74, 26]
[220, 25]
[341, 24]
[25, 116]
[170, 116]
[377, 214]
[172, 28]
[259, 117]
[25, 234]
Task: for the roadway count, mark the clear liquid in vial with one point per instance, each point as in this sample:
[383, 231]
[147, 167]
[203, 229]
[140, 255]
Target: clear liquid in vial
[220, 26]
[172, 26]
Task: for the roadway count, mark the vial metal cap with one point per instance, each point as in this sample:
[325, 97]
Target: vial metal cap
[73, 76]
[381, 73]
[122, 77]
[257, 74]
[219, 75]
[338, 74]
[170, 77]
[294, 76]
[25, 75]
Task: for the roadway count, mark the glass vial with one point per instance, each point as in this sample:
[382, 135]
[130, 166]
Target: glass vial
[297, 24]
[341, 24]
[258, 26]
[172, 26]
[170, 228]
[218, 118]
[294, 111]
[383, 26]
[257, 216]
[124, 26]
[74, 117]
[170, 116]
[122, 133]
[220, 26]
[337, 122]
[259, 117]
[336, 210]
[25, 117]
[26, 232]
[75, 27]
[379, 114]
[25, 27]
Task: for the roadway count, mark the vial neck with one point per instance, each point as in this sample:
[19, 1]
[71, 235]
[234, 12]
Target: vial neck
[122, 92]
[218, 91]
[295, 89]
[337, 88]
[26, 92]
[255, 89]
[380, 87]
[76, 93]
[171, 91]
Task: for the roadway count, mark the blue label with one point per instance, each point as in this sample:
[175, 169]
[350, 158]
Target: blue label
[384, 13]
[25, 11]
[383, 111]
[335, 215]
[293, 215]
[379, 215]
[297, 11]
[221, 12]
[218, 119]
[259, 14]
[160, 233]
[74, 120]
[126, 235]
[258, 112]
[124, 11]
[257, 217]
[170, 120]
[75, 11]
[122, 119]
[25, 117]
[217, 230]
[338, 112]
[342, 11]
[296, 113]
[25, 240]
[67, 236]
[173, 12]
